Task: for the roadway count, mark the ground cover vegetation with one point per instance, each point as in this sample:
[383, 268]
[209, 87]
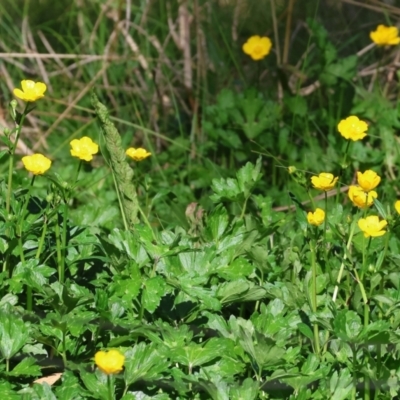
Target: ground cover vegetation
[199, 200]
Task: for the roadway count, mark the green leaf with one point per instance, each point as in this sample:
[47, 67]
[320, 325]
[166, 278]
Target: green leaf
[13, 334]
[7, 393]
[3, 245]
[127, 243]
[306, 330]
[194, 354]
[239, 268]
[239, 290]
[71, 388]
[311, 371]
[381, 208]
[254, 114]
[9, 298]
[155, 288]
[225, 189]
[38, 392]
[144, 362]
[341, 385]
[218, 323]
[345, 68]
[347, 325]
[96, 383]
[129, 287]
[142, 396]
[377, 332]
[175, 336]
[34, 349]
[247, 390]
[248, 176]
[297, 105]
[80, 322]
[33, 274]
[217, 222]
[225, 99]
[206, 297]
[28, 367]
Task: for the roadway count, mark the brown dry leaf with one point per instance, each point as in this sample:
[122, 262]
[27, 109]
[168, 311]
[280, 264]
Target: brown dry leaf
[50, 380]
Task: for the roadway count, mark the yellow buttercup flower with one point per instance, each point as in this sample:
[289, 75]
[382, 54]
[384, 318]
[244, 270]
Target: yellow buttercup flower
[137, 154]
[385, 36]
[360, 198]
[38, 164]
[368, 180]
[84, 148]
[317, 217]
[397, 206]
[110, 362]
[353, 128]
[371, 226]
[324, 181]
[257, 47]
[31, 91]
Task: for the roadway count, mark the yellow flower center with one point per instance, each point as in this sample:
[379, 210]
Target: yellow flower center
[258, 49]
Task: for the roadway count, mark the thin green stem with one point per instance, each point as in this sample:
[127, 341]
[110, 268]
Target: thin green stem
[362, 289]
[64, 240]
[361, 282]
[28, 288]
[367, 388]
[29, 295]
[121, 207]
[147, 222]
[78, 170]
[6, 264]
[346, 153]
[26, 202]
[326, 219]
[354, 391]
[314, 293]
[29, 299]
[64, 349]
[341, 270]
[342, 168]
[11, 159]
[381, 291]
[244, 208]
[311, 199]
[42, 237]
[58, 248]
[21, 248]
[325, 244]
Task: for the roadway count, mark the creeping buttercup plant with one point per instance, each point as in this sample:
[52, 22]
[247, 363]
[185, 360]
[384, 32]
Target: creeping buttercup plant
[266, 267]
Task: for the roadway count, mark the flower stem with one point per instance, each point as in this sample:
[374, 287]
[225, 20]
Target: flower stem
[342, 168]
[64, 349]
[328, 268]
[244, 207]
[26, 202]
[41, 241]
[78, 170]
[20, 232]
[11, 159]
[314, 294]
[110, 388]
[58, 248]
[341, 270]
[64, 237]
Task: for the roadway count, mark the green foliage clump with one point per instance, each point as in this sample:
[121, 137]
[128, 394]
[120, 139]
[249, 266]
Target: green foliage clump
[252, 255]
